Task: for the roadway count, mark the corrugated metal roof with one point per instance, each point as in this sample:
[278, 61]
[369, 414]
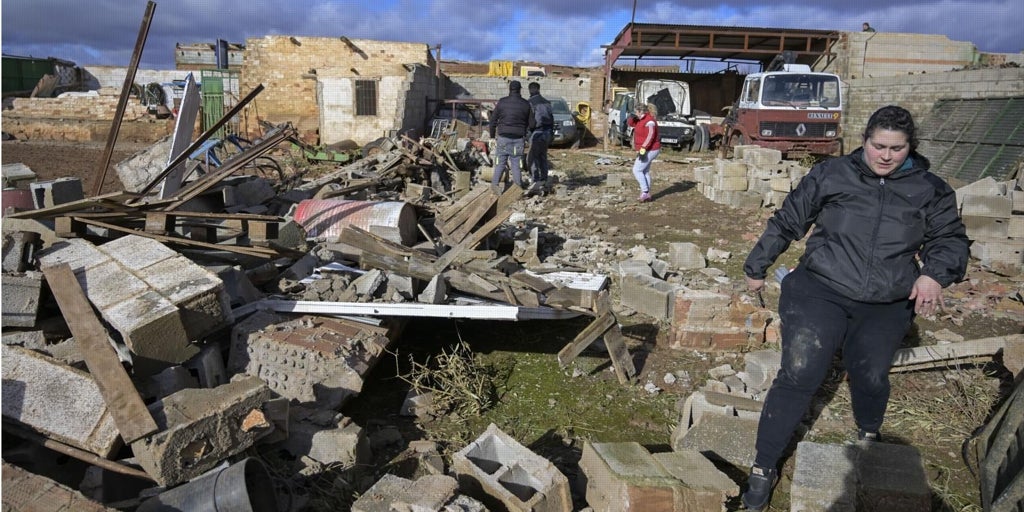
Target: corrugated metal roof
[970, 139]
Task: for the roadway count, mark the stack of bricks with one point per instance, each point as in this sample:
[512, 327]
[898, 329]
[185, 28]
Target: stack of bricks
[158, 300]
[755, 177]
[993, 213]
[707, 320]
[85, 107]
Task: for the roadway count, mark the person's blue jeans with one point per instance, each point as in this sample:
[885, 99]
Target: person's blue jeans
[507, 154]
[817, 322]
[538, 155]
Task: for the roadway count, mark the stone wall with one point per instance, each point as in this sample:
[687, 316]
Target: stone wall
[97, 77]
[305, 76]
[881, 54]
[918, 93]
[82, 118]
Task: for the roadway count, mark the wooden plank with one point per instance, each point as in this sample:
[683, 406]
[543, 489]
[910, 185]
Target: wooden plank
[476, 214]
[258, 252]
[130, 414]
[622, 362]
[583, 340]
[463, 202]
[469, 215]
[477, 236]
[932, 356]
[511, 195]
[532, 282]
[159, 223]
[112, 200]
[68, 227]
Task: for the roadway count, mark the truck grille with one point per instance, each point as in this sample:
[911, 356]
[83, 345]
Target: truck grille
[788, 129]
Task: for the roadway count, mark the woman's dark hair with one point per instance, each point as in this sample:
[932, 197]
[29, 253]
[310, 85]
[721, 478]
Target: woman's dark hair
[893, 118]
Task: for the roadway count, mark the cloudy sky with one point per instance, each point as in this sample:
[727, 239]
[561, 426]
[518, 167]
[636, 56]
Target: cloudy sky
[568, 32]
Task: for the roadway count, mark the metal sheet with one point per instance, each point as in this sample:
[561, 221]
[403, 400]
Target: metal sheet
[325, 218]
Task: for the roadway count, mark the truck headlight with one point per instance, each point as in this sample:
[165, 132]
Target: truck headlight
[766, 133]
[568, 122]
[830, 133]
[687, 131]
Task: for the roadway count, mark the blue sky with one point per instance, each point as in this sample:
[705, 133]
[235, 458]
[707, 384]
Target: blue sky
[103, 32]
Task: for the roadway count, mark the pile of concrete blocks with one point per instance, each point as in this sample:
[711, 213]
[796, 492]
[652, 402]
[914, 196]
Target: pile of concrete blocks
[753, 178]
[713, 321]
[625, 477]
[506, 475]
[993, 213]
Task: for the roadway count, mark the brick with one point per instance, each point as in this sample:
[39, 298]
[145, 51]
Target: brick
[648, 295]
[505, 475]
[309, 359]
[625, 477]
[199, 428]
[56, 400]
[20, 299]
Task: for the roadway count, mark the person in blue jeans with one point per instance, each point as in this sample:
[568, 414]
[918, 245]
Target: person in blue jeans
[511, 120]
[887, 239]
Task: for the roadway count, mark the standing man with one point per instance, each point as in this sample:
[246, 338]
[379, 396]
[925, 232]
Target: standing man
[544, 123]
[509, 125]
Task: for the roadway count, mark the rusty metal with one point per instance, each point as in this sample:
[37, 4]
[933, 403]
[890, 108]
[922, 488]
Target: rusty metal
[122, 101]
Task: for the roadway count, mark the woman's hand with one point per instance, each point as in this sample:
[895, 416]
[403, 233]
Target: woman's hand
[754, 285]
[927, 294]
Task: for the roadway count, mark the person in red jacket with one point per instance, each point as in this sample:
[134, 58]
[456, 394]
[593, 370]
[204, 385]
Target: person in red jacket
[647, 144]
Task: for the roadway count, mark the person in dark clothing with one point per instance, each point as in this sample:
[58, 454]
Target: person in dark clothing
[540, 138]
[511, 120]
[866, 27]
[887, 239]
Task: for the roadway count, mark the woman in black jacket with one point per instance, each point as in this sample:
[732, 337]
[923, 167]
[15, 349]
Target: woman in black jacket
[887, 238]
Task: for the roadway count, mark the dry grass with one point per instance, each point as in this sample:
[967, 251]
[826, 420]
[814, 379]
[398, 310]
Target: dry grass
[462, 384]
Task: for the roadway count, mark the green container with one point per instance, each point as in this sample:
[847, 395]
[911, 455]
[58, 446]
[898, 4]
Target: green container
[21, 74]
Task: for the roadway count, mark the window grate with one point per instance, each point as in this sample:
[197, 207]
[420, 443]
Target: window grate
[366, 97]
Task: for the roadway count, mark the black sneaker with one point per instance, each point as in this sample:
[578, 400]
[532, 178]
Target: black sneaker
[871, 437]
[760, 484]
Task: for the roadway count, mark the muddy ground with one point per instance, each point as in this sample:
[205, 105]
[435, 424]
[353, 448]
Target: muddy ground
[554, 410]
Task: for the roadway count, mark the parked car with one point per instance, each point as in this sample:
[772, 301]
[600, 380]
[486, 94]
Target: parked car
[566, 131]
[622, 106]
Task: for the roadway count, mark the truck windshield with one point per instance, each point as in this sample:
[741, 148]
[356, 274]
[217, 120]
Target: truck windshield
[802, 90]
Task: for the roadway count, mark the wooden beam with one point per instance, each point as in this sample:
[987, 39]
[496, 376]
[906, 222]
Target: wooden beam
[130, 414]
[583, 340]
[622, 362]
[935, 356]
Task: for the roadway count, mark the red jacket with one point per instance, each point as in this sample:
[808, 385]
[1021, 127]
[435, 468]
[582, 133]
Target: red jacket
[645, 132]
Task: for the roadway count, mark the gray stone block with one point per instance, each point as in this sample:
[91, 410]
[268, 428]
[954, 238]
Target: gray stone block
[986, 227]
[660, 268]
[56, 400]
[725, 438]
[624, 477]
[20, 299]
[506, 475]
[77, 253]
[391, 493]
[201, 427]
[109, 283]
[435, 292]
[686, 256]
[137, 252]
[153, 330]
[987, 206]
[650, 296]
[18, 249]
[761, 368]
[59, 191]
[342, 443]
[198, 293]
[704, 487]
[634, 268]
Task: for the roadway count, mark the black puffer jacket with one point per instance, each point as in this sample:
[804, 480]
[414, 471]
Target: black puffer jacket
[867, 229]
[512, 117]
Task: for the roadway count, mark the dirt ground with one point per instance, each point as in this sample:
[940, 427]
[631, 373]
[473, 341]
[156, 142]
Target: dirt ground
[553, 410]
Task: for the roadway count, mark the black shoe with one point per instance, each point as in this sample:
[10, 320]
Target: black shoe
[871, 437]
[760, 484]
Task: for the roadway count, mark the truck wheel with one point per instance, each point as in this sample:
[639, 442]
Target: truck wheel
[372, 148]
[705, 138]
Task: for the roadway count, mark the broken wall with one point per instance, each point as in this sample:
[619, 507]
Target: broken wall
[96, 77]
[309, 82]
[574, 90]
[83, 118]
[918, 93]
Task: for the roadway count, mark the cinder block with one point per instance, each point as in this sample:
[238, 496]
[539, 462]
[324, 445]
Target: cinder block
[153, 330]
[18, 249]
[984, 187]
[342, 443]
[201, 427]
[431, 492]
[26, 491]
[986, 227]
[20, 299]
[865, 476]
[703, 487]
[1016, 228]
[783, 184]
[762, 156]
[198, 293]
[77, 253]
[704, 175]
[1017, 199]
[685, 256]
[506, 475]
[768, 172]
[649, 295]
[57, 400]
[724, 183]
[995, 250]
[59, 191]
[635, 268]
[987, 206]
[310, 359]
[109, 283]
[625, 477]
[730, 169]
[761, 368]
[660, 268]
[137, 252]
[743, 199]
[726, 438]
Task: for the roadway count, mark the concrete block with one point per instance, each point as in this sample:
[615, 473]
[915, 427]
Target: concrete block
[208, 367]
[310, 359]
[390, 493]
[435, 292]
[660, 268]
[201, 427]
[625, 477]
[761, 368]
[703, 487]
[59, 191]
[153, 330]
[613, 181]
[774, 198]
[743, 199]
[987, 227]
[166, 383]
[1016, 227]
[198, 293]
[57, 401]
[783, 184]
[648, 295]
[730, 169]
[987, 206]
[77, 253]
[983, 187]
[26, 491]
[1017, 200]
[19, 248]
[762, 156]
[739, 152]
[685, 256]
[369, 284]
[704, 175]
[723, 183]
[20, 299]
[768, 172]
[995, 250]
[865, 476]
[401, 286]
[34, 340]
[109, 283]
[725, 438]
[342, 443]
[137, 252]
[506, 475]
[635, 268]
